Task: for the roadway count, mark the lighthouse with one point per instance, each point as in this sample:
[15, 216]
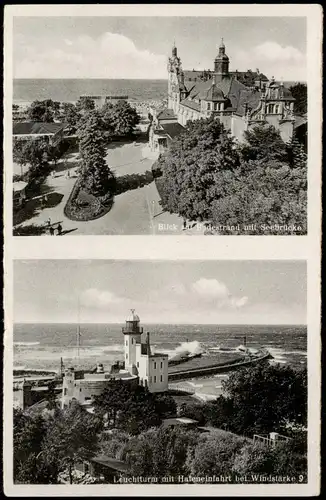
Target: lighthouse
[132, 336]
[151, 368]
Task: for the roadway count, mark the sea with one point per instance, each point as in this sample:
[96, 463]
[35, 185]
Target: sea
[40, 346]
[69, 90]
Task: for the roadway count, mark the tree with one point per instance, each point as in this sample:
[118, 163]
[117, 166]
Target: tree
[121, 118]
[160, 452]
[299, 91]
[71, 438]
[263, 142]
[132, 409]
[29, 431]
[281, 459]
[97, 178]
[43, 111]
[254, 458]
[33, 152]
[214, 455]
[197, 168]
[264, 197]
[85, 104]
[70, 115]
[264, 398]
[194, 411]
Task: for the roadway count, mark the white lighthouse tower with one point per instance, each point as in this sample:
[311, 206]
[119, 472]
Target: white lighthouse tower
[151, 368]
[132, 336]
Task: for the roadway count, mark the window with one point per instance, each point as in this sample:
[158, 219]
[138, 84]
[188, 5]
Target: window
[154, 365]
[65, 392]
[161, 378]
[137, 364]
[161, 364]
[154, 379]
[132, 341]
[208, 106]
[126, 342]
[216, 106]
[126, 355]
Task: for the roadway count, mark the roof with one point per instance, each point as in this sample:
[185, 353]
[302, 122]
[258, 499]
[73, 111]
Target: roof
[19, 186]
[159, 355]
[166, 114]
[191, 104]
[214, 93]
[256, 76]
[172, 129]
[37, 128]
[111, 463]
[300, 120]
[179, 421]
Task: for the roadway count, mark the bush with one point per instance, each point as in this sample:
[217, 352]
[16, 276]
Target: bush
[30, 230]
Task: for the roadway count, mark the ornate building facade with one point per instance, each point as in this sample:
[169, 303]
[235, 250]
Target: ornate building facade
[220, 93]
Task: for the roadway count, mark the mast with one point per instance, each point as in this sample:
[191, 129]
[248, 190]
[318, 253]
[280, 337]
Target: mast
[78, 334]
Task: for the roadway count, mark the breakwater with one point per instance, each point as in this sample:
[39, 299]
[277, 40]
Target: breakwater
[217, 368]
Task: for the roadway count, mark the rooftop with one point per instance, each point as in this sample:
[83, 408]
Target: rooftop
[166, 114]
[172, 129]
[111, 463]
[37, 128]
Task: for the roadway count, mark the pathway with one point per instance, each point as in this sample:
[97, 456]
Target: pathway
[134, 212]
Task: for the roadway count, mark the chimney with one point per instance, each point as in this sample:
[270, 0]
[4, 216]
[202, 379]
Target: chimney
[148, 344]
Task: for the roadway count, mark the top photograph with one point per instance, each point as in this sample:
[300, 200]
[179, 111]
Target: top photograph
[159, 126]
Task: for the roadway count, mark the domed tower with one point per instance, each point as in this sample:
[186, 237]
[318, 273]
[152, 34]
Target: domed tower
[221, 62]
[132, 336]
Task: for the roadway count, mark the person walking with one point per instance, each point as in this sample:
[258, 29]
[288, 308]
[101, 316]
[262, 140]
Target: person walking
[59, 229]
[51, 231]
[53, 174]
[49, 221]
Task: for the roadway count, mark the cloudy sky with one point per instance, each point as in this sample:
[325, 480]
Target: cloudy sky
[213, 292]
[138, 47]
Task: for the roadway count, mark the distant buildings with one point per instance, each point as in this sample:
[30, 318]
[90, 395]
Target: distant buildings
[101, 100]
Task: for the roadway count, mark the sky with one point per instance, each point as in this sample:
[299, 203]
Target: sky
[193, 292]
[138, 47]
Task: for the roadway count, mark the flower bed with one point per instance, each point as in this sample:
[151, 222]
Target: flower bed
[82, 206]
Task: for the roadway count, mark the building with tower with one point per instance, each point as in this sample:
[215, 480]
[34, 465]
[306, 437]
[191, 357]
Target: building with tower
[239, 100]
[151, 368]
[140, 366]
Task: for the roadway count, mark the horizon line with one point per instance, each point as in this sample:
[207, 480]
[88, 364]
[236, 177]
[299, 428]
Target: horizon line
[150, 323]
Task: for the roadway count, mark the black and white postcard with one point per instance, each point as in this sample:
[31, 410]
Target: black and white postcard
[166, 341]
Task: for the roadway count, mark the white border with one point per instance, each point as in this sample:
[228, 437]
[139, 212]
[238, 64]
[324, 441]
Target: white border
[173, 247]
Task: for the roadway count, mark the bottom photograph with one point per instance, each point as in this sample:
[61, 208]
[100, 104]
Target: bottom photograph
[159, 372]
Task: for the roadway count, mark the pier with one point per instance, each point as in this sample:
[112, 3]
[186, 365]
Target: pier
[217, 368]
